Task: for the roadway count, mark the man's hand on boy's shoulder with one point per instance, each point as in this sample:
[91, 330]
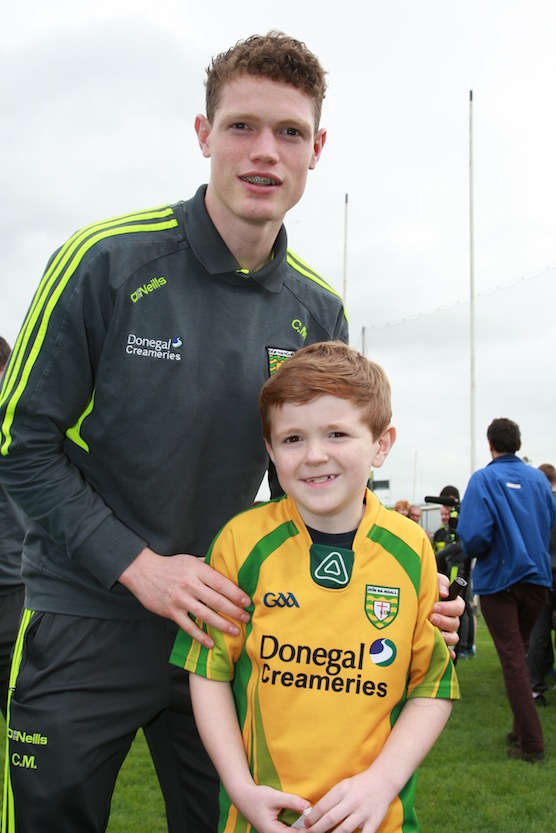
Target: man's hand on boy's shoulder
[175, 586]
[445, 615]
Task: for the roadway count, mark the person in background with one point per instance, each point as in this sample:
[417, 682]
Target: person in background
[504, 522]
[452, 560]
[540, 656]
[414, 513]
[355, 652]
[12, 590]
[402, 506]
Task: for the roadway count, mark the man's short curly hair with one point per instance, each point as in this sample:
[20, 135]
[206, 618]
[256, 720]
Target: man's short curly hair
[276, 56]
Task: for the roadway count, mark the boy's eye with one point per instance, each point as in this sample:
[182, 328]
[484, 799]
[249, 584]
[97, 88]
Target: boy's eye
[338, 434]
[293, 439]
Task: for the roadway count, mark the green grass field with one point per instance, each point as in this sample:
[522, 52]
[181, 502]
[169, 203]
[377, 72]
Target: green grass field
[466, 785]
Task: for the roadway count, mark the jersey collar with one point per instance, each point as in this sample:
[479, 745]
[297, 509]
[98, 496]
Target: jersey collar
[212, 252]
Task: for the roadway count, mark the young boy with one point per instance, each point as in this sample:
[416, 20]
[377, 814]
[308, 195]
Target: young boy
[339, 685]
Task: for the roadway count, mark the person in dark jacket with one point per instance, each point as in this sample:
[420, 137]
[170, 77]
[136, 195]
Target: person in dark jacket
[453, 561]
[505, 520]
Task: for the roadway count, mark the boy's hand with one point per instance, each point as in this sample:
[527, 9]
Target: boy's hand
[175, 586]
[445, 615]
[357, 803]
[261, 806]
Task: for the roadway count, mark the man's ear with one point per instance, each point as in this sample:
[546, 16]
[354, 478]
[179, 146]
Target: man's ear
[202, 129]
[318, 144]
[385, 443]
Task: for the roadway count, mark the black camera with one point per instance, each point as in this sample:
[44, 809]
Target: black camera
[450, 555]
[447, 500]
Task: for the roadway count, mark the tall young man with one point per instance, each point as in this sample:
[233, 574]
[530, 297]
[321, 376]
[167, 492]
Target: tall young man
[150, 333]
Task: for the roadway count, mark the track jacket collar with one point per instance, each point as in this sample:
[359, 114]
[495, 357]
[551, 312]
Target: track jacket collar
[506, 458]
[212, 252]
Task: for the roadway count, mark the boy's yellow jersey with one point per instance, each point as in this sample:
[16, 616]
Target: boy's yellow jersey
[338, 640]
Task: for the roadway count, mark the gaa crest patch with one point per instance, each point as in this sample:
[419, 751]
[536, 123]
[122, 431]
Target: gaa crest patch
[381, 605]
[276, 357]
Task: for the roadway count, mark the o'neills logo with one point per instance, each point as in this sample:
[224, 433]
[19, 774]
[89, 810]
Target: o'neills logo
[146, 288]
[34, 738]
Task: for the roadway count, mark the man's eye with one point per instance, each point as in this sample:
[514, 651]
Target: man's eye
[291, 131]
[240, 125]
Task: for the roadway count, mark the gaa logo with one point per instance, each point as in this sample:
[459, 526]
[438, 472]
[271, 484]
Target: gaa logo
[279, 600]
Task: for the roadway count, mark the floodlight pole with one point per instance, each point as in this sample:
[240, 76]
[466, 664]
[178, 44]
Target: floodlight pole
[471, 290]
[345, 249]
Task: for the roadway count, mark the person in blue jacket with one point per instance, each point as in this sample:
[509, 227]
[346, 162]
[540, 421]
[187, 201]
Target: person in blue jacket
[505, 520]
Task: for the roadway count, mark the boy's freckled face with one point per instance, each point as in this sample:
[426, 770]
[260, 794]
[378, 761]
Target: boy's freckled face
[323, 453]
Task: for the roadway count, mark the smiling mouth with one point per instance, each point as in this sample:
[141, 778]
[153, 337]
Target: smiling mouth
[260, 180]
[322, 479]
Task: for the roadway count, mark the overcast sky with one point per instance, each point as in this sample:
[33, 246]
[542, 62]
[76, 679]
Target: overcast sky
[96, 118]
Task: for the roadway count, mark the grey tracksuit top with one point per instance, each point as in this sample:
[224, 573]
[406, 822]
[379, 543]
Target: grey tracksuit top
[128, 410]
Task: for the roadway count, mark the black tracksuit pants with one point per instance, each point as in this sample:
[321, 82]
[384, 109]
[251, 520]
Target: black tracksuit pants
[83, 689]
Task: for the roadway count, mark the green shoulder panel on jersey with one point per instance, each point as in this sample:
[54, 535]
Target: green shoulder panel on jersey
[54, 281]
[248, 574]
[402, 552]
[300, 266]
[248, 580]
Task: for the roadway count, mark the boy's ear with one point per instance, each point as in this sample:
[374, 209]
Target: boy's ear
[269, 451]
[385, 443]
